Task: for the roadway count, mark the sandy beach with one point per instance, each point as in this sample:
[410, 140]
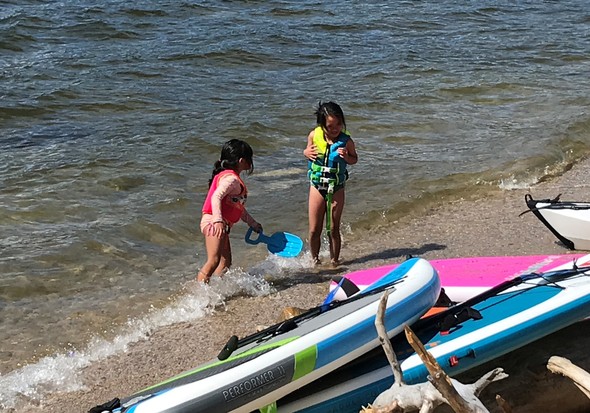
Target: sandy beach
[466, 227]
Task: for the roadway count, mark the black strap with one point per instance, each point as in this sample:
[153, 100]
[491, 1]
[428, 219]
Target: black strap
[532, 204]
[106, 407]
[453, 320]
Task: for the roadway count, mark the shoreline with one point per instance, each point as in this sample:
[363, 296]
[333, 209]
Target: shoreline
[479, 227]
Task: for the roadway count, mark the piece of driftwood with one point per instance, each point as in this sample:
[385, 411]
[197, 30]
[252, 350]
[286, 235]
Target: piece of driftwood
[438, 377]
[386, 344]
[424, 397]
[506, 408]
[579, 376]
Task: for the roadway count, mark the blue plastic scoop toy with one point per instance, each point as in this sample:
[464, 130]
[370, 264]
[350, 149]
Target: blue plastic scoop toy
[282, 244]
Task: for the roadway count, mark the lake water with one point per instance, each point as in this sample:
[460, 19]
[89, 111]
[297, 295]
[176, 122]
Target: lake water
[112, 115]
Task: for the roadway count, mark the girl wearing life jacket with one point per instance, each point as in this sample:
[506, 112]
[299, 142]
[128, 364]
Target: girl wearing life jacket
[329, 150]
[225, 205]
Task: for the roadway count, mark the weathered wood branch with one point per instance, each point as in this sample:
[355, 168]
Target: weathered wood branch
[425, 397]
[463, 398]
[398, 376]
[579, 376]
[439, 378]
[506, 408]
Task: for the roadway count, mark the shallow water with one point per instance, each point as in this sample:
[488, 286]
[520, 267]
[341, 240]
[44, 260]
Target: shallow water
[112, 116]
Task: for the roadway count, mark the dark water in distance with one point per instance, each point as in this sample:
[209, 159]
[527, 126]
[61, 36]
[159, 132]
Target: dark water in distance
[112, 115]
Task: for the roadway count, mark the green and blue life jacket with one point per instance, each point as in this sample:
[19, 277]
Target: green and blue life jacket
[328, 171]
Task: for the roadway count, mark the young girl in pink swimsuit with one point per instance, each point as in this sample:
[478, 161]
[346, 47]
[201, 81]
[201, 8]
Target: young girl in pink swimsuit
[225, 205]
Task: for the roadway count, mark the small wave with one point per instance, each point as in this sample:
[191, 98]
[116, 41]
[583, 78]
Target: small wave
[290, 12]
[98, 30]
[13, 33]
[228, 58]
[23, 111]
[514, 183]
[144, 230]
[11, 45]
[124, 183]
[146, 13]
[281, 172]
[62, 372]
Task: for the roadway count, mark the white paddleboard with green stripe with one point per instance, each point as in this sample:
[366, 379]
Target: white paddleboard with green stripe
[259, 369]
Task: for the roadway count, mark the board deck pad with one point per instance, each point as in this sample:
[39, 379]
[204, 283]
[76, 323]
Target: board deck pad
[466, 277]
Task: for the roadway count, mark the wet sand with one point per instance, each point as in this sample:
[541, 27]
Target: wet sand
[478, 227]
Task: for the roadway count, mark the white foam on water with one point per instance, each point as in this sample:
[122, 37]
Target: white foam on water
[514, 184]
[62, 372]
[277, 265]
[281, 172]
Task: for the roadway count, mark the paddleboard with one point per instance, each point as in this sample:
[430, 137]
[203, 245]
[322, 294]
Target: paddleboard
[508, 316]
[255, 371]
[463, 278]
[568, 221]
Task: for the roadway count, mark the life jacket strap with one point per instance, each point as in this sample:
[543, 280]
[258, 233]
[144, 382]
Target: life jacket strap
[324, 169]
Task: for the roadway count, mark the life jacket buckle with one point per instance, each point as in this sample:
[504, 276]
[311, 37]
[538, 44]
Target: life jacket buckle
[323, 169]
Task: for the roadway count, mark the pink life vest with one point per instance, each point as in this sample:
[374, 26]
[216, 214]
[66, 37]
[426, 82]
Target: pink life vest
[232, 206]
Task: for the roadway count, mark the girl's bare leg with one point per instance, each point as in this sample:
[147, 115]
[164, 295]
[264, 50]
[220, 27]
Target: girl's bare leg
[317, 210]
[335, 240]
[215, 251]
[225, 261]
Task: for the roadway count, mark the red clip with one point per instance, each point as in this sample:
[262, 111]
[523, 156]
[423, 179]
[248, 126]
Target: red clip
[453, 361]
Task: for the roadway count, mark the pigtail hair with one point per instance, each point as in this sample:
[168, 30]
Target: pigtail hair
[217, 167]
[231, 152]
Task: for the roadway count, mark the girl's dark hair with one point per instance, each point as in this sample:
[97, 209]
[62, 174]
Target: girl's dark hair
[329, 109]
[231, 152]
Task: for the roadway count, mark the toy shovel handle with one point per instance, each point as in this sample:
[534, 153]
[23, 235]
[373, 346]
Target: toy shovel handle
[260, 238]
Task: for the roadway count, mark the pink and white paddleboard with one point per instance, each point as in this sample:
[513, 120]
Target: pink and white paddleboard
[463, 278]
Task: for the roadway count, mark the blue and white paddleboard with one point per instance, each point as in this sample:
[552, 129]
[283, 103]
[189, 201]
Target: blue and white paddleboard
[461, 277]
[487, 326]
[258, 370]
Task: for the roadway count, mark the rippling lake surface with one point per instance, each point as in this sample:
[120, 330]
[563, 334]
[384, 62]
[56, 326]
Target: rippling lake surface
[112, 115]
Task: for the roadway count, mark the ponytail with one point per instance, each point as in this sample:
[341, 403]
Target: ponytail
[231, 152]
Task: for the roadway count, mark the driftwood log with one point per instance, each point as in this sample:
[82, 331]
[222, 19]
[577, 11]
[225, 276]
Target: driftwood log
[579, 376]
[425, 397]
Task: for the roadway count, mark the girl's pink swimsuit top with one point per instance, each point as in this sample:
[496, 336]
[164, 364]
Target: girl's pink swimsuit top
[226, 199]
